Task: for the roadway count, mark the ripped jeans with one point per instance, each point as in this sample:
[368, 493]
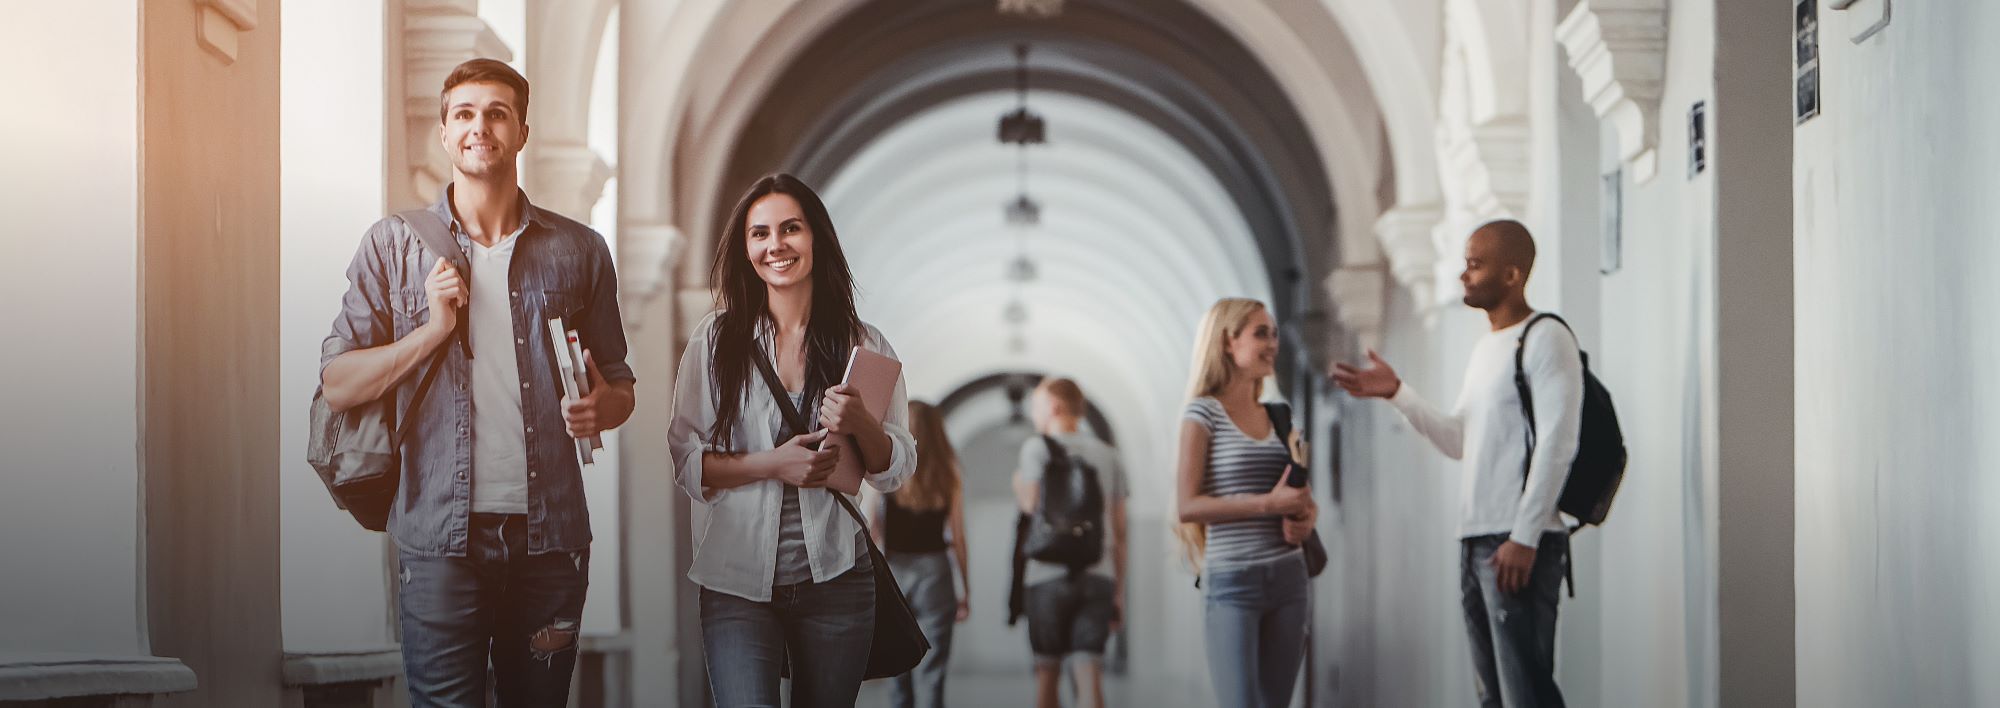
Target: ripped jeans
[496, 606]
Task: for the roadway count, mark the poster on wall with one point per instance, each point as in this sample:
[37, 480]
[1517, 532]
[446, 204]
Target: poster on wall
[1697, 139]
[1805, 41]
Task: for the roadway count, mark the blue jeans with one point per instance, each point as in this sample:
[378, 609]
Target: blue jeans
[926, 581]
[1513, 636]
[826, 629]
[498, 605]
[1256, 625]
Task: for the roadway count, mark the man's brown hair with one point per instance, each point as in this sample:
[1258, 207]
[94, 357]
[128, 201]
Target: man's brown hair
[1064, 391]
[485, 70]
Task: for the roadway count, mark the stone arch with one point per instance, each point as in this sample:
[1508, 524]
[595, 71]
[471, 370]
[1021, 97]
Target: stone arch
[686, 111]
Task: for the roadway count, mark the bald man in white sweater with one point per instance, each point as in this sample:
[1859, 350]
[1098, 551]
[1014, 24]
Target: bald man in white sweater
[1514, 545]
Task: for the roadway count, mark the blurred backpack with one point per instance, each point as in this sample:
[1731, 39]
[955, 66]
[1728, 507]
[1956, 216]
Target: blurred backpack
[1067, 527]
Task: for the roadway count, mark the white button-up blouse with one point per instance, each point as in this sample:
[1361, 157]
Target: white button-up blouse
[736, 530]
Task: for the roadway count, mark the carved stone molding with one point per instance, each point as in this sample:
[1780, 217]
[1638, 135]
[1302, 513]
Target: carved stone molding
[1483, 155]
[1497, 171]
[47, 676]
[649, 255]
[690, 305]
[1405, 235]
[1359, 294]
[437, 36]
[1619, 50]
[569, 178]
[221, 21]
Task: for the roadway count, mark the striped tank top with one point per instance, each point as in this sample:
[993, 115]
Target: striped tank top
[1239, 464]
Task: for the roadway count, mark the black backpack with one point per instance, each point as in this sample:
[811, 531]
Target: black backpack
[1600, 449]
[1067, 527]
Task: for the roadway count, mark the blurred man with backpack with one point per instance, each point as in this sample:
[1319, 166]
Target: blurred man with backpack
[1072, 490]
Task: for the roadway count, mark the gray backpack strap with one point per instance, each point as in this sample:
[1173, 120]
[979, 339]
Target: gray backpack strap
[437, 238]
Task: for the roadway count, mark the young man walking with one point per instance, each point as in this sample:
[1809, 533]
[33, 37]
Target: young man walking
[1072, 612]
[489, 521]
[1514, 547]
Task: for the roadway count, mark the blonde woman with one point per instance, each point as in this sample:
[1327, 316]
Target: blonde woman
[1241, 522]
[911, 528]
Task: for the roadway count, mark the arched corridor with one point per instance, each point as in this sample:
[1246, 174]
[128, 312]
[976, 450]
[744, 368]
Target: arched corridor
[1764, 223]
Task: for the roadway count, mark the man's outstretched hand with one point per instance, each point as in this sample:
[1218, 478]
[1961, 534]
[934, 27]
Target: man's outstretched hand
[1376, 381]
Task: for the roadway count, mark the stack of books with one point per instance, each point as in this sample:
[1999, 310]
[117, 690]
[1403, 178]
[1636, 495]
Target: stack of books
[574, 379]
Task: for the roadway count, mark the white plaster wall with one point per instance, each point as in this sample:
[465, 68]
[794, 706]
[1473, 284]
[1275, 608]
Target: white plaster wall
[332, 110]
[69, 493]
[1640, 631]
[1648, 571]
[1898, 594]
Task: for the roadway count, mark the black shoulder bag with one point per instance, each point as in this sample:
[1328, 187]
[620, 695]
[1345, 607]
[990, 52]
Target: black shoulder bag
[899, 643]
[1281, 423]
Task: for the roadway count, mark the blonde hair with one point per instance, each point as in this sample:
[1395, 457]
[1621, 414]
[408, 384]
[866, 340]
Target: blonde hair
[935, 484]
[1213, 369]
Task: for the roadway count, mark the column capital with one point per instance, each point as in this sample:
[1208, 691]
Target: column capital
[1618, 48]
[1360, 298]
[568, 177]
[1405, 234]
[649, 254]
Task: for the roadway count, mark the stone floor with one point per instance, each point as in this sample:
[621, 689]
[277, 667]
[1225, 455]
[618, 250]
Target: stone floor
[991, 691]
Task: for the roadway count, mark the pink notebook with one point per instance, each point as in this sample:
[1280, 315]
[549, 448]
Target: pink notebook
[874, 377]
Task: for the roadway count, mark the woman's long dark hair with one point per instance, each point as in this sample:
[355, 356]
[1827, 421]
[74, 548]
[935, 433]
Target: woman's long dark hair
[831, 329]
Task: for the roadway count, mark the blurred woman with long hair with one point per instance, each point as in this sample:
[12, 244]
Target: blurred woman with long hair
[911, 526]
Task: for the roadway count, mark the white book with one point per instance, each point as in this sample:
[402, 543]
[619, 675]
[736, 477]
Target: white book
[566, 371]
[582, 376]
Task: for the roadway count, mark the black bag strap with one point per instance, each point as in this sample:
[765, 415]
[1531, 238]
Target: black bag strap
[1528, 409]
[1281, 423]
[797, 422]
[1056, 449]
[436, 236]
[1521, 385]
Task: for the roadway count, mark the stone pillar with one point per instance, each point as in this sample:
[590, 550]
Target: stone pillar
[1751, 148]
[208, 269]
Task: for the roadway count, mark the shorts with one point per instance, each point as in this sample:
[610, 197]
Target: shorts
[1070, 616]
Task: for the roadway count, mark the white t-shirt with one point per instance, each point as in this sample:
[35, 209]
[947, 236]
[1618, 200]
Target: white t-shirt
[1110, 479]
[499, 440]
[1487, 431]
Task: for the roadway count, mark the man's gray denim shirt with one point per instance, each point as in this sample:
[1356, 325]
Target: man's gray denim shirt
[560, 268]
